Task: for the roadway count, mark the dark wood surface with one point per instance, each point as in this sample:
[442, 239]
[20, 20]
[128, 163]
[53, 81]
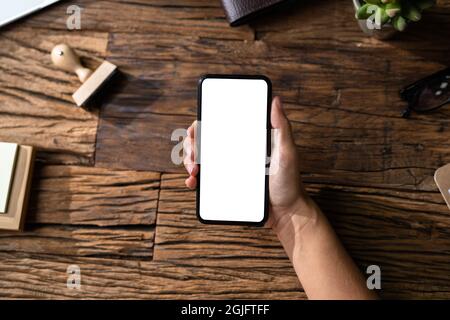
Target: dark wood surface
[106, 196]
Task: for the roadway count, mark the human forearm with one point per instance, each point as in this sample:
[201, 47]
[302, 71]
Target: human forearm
[323, 266]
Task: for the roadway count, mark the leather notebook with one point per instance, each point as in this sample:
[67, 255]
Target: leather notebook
[241, 11]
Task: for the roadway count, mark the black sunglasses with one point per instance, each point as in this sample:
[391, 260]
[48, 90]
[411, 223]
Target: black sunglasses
[427, 94]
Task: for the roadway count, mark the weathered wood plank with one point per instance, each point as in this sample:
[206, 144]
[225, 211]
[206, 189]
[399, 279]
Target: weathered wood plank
[36, 107]
[40, 276]
[149, 141]
[75, 195]
[30, 276]
[404, 232]
[89, 211]
[79, 241]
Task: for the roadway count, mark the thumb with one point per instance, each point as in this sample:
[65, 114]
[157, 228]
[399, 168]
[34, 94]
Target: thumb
[280, 121]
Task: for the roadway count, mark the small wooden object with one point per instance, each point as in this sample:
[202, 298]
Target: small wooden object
[442, 179]
[13, 218]
[65, 58]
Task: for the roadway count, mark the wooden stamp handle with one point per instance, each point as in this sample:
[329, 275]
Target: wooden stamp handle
[65, 58]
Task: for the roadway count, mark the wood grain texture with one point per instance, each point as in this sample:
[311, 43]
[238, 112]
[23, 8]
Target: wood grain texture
[88, 211]
[79, 241]
[91, 196]
[28, 276]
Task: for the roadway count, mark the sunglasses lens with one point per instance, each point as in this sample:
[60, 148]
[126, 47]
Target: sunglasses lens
[433, 94]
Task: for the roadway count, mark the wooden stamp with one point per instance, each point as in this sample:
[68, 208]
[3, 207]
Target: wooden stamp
[66, 59]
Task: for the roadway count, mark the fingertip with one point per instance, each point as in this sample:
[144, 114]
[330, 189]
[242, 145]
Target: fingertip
[188, 182]
[191, 182]
[277, 102]
[277, 114]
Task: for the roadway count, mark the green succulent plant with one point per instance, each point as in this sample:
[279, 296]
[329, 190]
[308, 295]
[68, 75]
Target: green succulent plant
[397, 12]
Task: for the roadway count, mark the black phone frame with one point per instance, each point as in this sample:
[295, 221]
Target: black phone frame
[268, 146]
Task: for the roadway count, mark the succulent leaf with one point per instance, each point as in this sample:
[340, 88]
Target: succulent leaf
[399, 23]
[362, 12]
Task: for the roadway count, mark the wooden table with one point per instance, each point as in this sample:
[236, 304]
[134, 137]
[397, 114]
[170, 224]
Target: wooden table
[107, 198]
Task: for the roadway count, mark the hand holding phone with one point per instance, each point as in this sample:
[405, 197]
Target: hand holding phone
[285, 188]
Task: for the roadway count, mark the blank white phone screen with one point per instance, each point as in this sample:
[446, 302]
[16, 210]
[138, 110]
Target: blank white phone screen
[233, 142]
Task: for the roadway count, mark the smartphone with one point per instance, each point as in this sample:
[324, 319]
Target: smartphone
[233, 142]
